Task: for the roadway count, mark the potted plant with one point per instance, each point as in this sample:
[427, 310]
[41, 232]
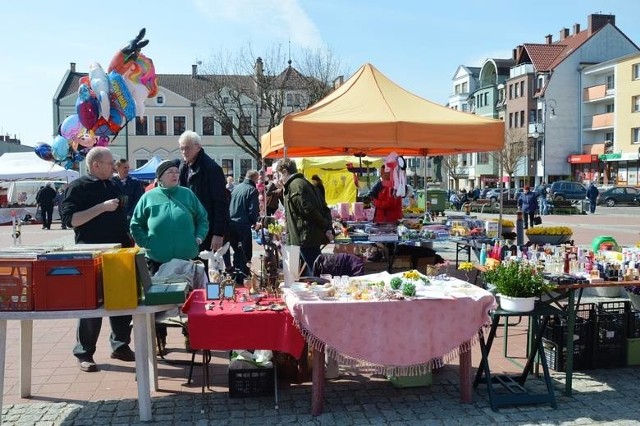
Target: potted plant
[549, 234]
[517, 284]
[507, 225]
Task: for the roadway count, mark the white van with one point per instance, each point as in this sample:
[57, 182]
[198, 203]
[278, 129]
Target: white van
[23, 193]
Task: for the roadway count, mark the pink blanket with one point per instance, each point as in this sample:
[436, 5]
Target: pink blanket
[405, 337]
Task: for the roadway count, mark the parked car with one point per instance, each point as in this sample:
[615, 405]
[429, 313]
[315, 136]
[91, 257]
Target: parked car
[568, 190]
[494, 193]
[619, 195]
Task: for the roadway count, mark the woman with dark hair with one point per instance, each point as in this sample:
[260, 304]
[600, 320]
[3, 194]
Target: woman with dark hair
[317, 182]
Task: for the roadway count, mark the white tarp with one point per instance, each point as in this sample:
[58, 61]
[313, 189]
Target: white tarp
[27, 165]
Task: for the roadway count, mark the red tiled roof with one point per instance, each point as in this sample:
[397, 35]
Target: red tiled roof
[545, 57]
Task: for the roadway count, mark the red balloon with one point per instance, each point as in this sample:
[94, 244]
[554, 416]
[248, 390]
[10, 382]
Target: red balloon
[88, 112]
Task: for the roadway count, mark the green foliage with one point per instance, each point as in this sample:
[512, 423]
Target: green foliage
[395, 283]
[408, 289]
[517, 279]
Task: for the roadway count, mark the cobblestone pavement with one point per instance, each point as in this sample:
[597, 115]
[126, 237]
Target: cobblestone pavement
[600, 397]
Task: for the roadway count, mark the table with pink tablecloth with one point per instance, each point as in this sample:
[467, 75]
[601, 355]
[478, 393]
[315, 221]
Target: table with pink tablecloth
[400, 337]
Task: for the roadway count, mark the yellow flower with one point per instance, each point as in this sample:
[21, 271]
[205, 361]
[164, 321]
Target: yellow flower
[506, 223]
[466, 266]
[549, 230]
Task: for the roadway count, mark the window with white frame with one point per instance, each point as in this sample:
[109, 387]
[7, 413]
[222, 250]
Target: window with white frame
[208, 126]
[635, 135]
[635, 105]
[635, 70]
[179, 125]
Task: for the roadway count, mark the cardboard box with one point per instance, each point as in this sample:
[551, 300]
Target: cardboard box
[491, 228]
[60, 285]
[411, 381]
[15, 285]
[119, 279]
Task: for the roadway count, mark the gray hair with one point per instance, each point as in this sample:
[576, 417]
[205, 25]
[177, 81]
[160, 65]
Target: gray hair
[96, 153]
[189, 136]
[251, 174]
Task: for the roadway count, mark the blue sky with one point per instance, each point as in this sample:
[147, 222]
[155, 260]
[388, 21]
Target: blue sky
[419, 44]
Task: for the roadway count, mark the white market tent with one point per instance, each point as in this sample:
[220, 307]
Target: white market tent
[27, 165]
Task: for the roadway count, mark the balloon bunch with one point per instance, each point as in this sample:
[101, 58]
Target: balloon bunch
[106, 102]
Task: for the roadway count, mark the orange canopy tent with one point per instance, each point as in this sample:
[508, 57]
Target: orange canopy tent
[370, 114]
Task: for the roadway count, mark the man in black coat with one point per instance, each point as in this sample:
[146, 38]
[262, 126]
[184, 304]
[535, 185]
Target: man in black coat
[45, 198]
[205, 178]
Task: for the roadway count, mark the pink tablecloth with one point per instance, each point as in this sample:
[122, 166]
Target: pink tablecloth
[393, 337]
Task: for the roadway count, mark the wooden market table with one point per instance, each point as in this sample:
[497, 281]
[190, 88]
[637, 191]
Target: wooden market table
[143, 321]
[404, 337]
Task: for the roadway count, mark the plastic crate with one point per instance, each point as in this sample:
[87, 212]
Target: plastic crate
[634, 325]
[555, 342]
[16, 285]
[251, 382]
[610, 334]
[60, 285]
[633, 351]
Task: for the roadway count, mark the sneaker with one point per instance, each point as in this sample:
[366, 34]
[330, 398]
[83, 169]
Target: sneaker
[124, 353]
[87, 365]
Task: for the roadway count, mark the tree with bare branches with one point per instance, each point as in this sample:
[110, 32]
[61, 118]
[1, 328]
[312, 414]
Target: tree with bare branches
[455, 169]
[248, 95]
[513, 154]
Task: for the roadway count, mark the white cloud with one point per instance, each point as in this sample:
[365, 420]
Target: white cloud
[278, 21]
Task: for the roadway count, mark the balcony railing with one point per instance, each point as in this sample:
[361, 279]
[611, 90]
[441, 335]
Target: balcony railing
[599, 121]
[595, 92]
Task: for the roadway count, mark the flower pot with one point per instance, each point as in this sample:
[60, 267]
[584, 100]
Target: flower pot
[542, 239]
[635, 300]
[517, 304]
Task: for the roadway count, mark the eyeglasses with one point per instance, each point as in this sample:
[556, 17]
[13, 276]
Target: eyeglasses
[108, 162]
[185, 148]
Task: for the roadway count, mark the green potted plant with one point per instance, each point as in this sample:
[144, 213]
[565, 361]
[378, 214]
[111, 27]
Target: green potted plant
[549, 234]
[517, 284]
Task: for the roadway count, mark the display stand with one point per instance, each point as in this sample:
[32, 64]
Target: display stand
[517, 394]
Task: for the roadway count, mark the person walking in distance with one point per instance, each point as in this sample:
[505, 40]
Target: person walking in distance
[244, 210]
[205, 178]
[592, 195]
[46, 198]
[528, 204]
[92, 207]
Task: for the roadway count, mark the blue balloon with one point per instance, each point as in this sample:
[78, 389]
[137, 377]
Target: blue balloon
[43, 150]
[60, 148]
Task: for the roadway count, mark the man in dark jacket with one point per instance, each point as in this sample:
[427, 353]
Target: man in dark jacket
[205, 178]
[244, 210]
[528, 204]
[46, 198]
[91, 207]
[130, 187]
[592, 195]
[308, 218]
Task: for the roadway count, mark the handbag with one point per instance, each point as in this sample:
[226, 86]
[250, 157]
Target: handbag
[537, 220]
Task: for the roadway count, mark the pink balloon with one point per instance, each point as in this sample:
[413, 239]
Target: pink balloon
[102, 141]
[71, 127]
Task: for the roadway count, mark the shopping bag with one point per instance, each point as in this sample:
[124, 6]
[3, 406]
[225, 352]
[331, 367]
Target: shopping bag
[537, 220]
[38, 214]
[291, 264]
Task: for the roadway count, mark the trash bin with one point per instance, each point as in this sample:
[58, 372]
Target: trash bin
[583, 206]
[436, 199]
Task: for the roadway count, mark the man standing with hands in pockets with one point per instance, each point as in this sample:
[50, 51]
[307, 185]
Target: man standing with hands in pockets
[92, 208]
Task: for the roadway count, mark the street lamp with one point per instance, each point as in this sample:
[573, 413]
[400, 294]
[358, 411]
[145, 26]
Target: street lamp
[549, 106]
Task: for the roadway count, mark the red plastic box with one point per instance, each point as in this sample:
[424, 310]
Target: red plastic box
[60, 285]
[15, 285]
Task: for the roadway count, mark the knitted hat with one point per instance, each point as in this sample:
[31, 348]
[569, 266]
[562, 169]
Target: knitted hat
[164, 166]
